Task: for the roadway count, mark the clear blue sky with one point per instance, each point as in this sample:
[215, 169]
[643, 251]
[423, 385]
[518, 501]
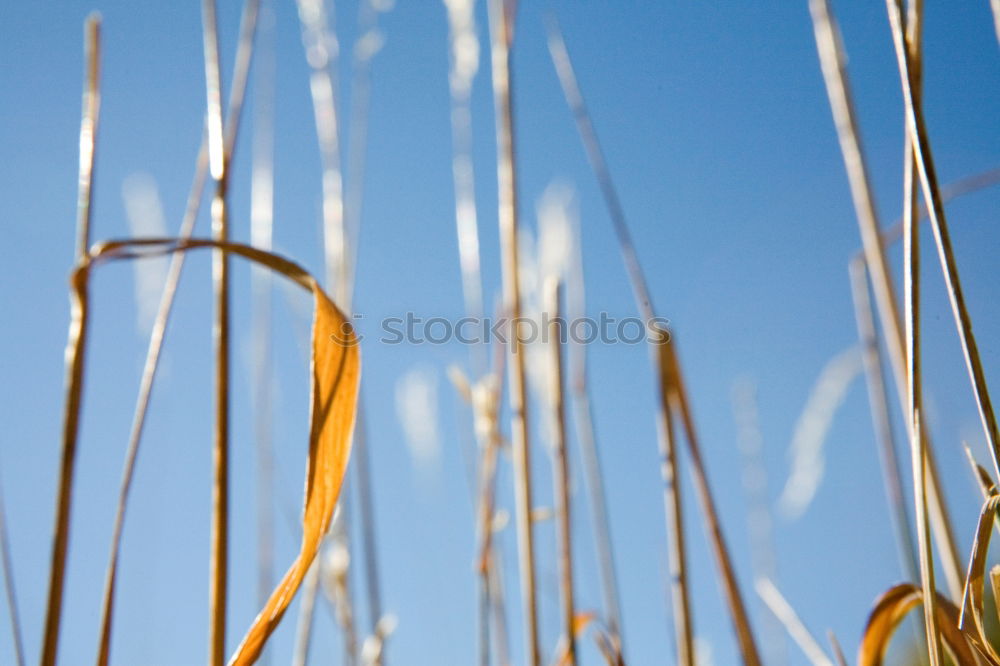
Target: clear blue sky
[717, 130]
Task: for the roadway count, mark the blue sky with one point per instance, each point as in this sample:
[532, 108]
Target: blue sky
[716, 127]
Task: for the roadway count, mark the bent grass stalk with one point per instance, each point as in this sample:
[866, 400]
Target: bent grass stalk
[671, 390]
[939, 223]
[833, 63]
[76, 341]
[501, 36]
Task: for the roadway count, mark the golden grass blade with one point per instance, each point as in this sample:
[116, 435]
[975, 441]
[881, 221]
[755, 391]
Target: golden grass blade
[560, 469]
[890, 609]
[931, 192]
[833, 64]
[75, 343]
[783, 610]
[248, 24]
[501, 36]
[335, 372]
[219, 556]
[881, 421]
[972, 597]
[10, 592]
[671, 389]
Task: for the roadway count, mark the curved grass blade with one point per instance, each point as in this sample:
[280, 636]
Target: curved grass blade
[335, 372]
[889, 611]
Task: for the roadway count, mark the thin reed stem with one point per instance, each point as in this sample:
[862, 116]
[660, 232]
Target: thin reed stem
[244, 51]
[560, 470]
[76, 343]
[501, 32]
[833, 63]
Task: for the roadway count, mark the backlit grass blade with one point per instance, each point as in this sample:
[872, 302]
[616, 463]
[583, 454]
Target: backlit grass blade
[335, 372]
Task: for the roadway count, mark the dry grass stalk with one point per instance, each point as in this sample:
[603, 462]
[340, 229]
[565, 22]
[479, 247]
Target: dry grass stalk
[560, 469]
[838, 652]
[677, 551]
[914, 382]
[76, 342]
[881, 421]
[584, 421]
[672, 501]
[730, 586]
[670, 385]
[833, 63]
[219, 562]
[972, 596]
[248, 23]
[783, 610]
[501, 34]
[939, 223]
